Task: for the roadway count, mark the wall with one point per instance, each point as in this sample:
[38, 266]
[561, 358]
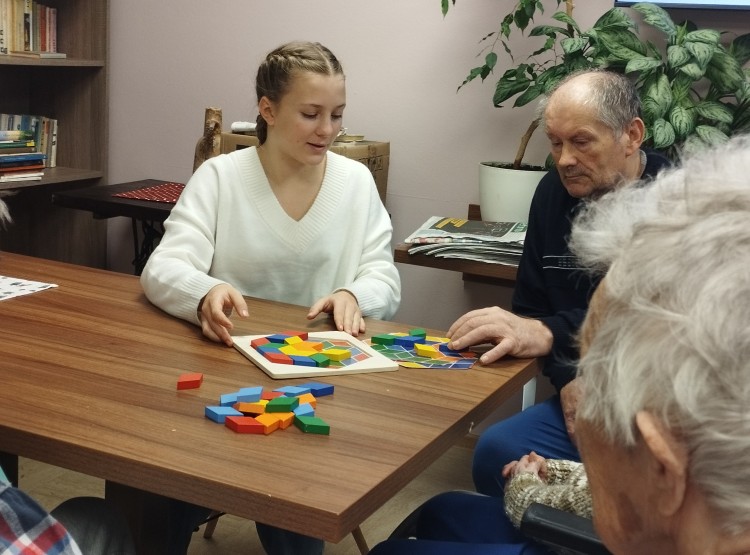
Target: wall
[403, 60]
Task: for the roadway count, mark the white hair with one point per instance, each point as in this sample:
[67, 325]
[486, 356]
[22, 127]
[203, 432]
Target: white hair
[674, 334]
[4, 213]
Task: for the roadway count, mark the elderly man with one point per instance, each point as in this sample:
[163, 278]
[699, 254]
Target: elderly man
[595, 132]
[664, 420]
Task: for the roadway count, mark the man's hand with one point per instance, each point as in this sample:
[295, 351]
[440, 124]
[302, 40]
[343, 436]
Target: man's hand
[570, 395]
[345, 310]
[216, 308]
[511, 334]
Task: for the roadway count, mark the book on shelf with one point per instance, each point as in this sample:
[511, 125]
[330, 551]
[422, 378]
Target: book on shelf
[21, 158]
[40, 131]
[27, 25]
[492, 242]
[28, 28]
[39, 54]
[5, 21]
[17, 147]
[21, 176]
[51, 150]
[13, 134]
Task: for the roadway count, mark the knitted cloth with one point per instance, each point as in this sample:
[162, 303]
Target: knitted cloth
[566, 488]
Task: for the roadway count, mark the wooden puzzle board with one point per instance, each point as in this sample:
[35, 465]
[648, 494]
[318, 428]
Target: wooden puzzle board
[364, 359]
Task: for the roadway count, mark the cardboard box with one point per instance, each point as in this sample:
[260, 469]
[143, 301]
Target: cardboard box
[375, 155]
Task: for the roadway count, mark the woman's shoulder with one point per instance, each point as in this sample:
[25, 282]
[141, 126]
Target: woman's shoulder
[347, 169]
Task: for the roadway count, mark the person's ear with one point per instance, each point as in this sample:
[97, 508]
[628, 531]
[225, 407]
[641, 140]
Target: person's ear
[634, 135]
[267, 110]
[666, 463]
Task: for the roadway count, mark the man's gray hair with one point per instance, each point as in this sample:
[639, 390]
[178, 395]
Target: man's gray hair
[613, 97]
[674, 335]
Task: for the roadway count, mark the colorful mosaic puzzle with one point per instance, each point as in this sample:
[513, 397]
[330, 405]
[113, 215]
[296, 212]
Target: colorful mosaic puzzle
[300, 354]
[255, 410]
[298, 348]
[416, 349]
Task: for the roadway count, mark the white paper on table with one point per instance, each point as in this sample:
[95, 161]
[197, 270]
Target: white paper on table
[14, 287]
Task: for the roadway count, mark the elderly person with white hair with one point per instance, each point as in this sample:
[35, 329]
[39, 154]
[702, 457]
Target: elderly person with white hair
[4, 213]
[664, 421]
[663, 424]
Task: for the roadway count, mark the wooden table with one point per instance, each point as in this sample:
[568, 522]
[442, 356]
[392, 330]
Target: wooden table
[89, 373]
[101, 203]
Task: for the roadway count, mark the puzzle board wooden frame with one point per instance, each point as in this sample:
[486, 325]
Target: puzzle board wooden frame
[374, 363]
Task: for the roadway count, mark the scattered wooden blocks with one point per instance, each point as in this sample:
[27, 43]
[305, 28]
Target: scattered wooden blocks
[191, 380]
[312, 425]
[272, 410]
[244, 425]
[219, 414]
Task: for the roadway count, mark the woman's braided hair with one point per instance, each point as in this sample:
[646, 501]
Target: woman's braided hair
[276, 72]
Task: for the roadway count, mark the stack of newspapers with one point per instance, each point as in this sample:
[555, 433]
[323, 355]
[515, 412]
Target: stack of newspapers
[493, 242]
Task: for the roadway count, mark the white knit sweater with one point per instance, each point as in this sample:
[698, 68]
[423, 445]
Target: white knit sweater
[228, 227]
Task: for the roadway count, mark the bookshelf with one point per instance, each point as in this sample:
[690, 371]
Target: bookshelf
[74, 91]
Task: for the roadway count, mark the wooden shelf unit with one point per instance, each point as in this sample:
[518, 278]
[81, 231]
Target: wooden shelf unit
[74, 91]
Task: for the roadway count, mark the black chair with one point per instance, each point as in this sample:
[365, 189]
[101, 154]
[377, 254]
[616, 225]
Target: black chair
[562, 531]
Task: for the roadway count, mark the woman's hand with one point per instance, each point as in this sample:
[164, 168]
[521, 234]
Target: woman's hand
[215, 309]
[532, 463]
[345, 310]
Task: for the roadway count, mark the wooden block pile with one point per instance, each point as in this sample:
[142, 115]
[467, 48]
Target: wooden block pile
[255, 410]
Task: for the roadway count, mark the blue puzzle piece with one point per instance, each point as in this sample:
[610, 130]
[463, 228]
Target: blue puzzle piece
[228, 399]
[219, 414]
[407, 341]
[277, 337]
[249, 394]
[293, 390]
[301, 360]
[305, 409]
[269, 348]
[318, 389]
[443, 348]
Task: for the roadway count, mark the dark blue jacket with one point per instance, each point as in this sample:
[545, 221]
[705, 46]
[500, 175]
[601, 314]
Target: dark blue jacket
[551, 286]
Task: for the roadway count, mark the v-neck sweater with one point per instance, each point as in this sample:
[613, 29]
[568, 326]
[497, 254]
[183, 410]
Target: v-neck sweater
[228, 227]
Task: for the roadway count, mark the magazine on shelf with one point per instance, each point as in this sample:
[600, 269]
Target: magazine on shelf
[440, 229]
[491, 242]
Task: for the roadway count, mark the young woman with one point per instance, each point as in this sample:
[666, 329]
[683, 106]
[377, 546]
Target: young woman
[288, 221]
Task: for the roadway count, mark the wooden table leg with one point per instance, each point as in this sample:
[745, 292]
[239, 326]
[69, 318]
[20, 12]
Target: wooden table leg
[9, 464]
[359, 537]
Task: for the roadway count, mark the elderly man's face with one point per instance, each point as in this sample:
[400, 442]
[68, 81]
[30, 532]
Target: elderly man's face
[620, 490]
[589, 157]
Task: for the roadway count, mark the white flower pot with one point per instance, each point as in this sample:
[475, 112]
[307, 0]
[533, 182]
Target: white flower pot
[505, 194]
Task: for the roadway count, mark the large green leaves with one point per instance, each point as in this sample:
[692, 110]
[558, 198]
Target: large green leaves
[621, 43]
[656, 97]
[513, 82]
[682, 119]
[724, 72]
[693, 88]
[656, 17]
[663, 134]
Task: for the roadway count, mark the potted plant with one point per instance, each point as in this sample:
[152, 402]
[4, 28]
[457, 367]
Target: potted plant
[693, 89]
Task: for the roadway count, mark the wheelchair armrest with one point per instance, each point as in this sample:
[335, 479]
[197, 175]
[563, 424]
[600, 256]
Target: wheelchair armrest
[561, 529]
